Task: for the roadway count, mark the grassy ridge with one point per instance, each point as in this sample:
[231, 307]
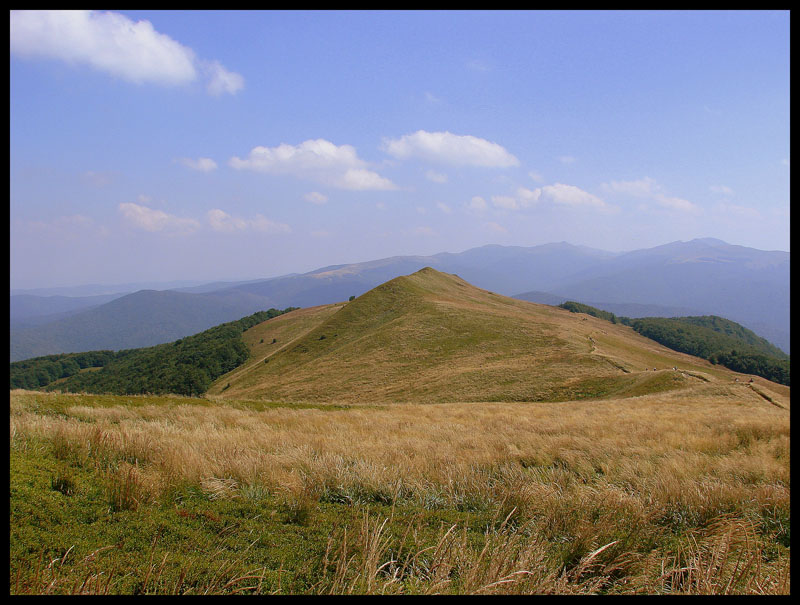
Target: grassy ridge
[432, 337]
[187, 366]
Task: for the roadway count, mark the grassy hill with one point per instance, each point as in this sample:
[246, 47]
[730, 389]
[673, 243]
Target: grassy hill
[432, 337]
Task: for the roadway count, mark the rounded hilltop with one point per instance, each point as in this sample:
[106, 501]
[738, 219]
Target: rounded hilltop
[432, 337]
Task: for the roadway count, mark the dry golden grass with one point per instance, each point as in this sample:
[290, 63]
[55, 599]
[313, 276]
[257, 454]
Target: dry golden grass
[598, 483]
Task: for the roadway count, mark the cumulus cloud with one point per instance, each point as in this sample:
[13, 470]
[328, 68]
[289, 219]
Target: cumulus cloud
[569, 195]
[528, 197]
[320, 160]
[200, 164]
[153, 220]
[436, 177]
[220, 80]
[644, 187]
[676, 203]
[477, 203]
[219, 220]
[315, 197]
[505, 201]
[648, 189]
[451, 149]
[114, 44]
[721, 189]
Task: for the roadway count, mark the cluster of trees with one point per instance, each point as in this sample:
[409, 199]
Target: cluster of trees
[719, 340]
[186, 367]
[576, 307]
[776, 370]
[41, 371]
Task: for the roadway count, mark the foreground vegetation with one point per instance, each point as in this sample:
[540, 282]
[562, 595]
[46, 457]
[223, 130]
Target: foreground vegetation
[187, 366]
[716, 339]
[679, 492]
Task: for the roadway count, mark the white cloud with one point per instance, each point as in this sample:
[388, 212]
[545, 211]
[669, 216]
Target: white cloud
[444, 207]
[450, 148]
[569, 195]
[436, 177]
[220, 80]
[200, 164]
[315, 197]
[361, 179]
[496, 228]
[319, 160]
[426, 231]
[528, 197]
[432, 99]
[648, 189]
[222, 221]
[721, 189]
[477, 203]
[504, 201]
[219, 220]
[112, 43]
[265, 225]
[155, 220]
[566, 159]
[676, 203]
[536, 176]
[645, 187]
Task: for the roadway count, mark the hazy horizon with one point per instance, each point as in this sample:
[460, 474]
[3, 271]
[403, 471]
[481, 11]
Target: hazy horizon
[179, 283]
[163, 146]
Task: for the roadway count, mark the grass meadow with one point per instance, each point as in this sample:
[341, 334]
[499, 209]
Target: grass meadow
[679, 492]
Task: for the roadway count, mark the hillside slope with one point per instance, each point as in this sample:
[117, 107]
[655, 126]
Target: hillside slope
[432, 337]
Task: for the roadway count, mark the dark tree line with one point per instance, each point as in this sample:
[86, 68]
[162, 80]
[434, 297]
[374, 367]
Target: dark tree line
[716, 339]
[185, 367]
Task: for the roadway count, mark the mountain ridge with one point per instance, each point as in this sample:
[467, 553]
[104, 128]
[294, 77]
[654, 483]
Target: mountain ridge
[751, 289]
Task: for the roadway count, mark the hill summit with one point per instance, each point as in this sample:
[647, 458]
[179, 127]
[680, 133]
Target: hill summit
[433, 337]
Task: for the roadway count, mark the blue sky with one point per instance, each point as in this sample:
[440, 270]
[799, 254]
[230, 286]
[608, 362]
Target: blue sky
[149, 145]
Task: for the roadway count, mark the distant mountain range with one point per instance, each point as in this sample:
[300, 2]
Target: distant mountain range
[699, 277]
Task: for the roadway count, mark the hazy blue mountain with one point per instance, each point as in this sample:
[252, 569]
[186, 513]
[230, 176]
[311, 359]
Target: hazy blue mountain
[28, 306]
[141, 319]
[101, 289]
[623, 309]
[711, 277]
[700, 277]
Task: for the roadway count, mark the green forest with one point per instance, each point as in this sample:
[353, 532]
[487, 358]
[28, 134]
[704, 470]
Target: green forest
[187, 366]
[719, 340]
